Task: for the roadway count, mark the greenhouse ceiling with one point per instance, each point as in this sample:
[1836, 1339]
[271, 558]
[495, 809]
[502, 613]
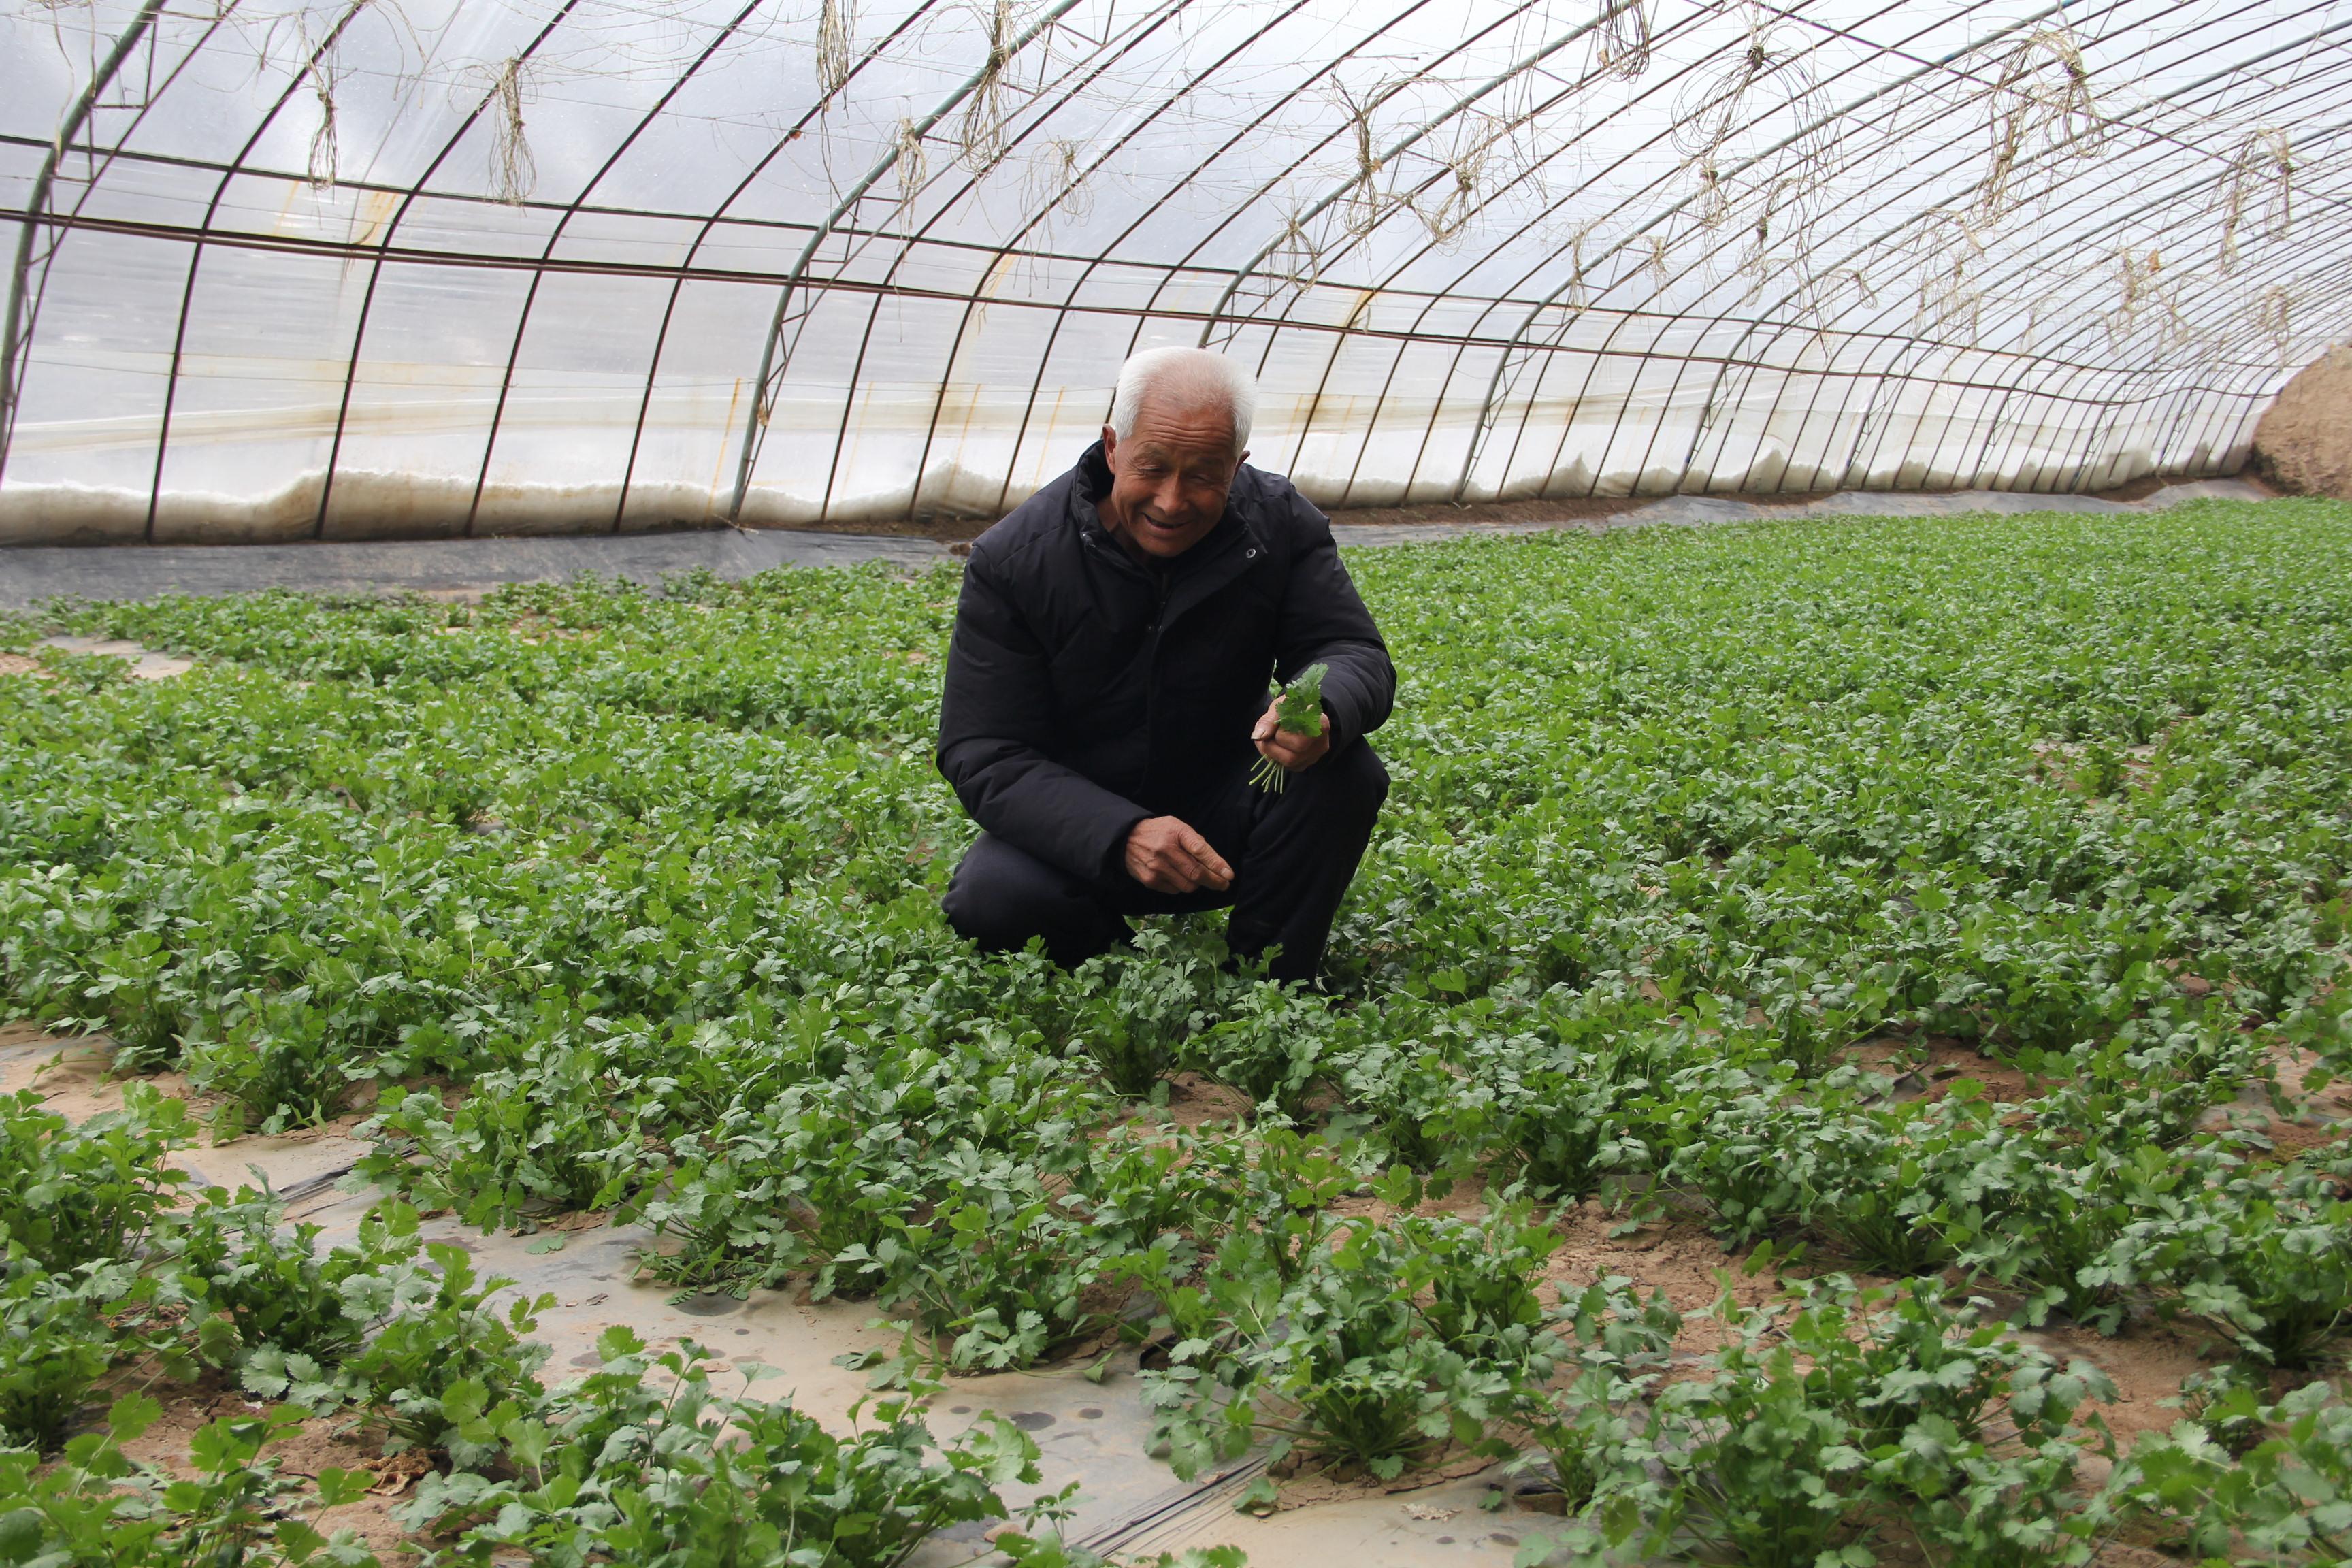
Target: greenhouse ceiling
[377, 268]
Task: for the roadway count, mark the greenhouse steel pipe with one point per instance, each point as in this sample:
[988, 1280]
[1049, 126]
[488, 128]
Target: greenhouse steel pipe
[383, 248]
[229, 174]
[1577, 268]
[1884, 237]
[2105, 223]
[1504, 365]
[702, 233]
[2217, 78]
[12, 339]
[2109, 222]
[1396, 149]
[2042, 373]
[1094, 68]
[1170, 270]
[1286, 321]
[756, 419]
[963, 325]
[100, 159]
[1067, 307]
[1062, 311]
[1384, 284]
[1487, 405]
[1727, 358]
[572, 209]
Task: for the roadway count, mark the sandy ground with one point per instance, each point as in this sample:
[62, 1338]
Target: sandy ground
[2303, 444]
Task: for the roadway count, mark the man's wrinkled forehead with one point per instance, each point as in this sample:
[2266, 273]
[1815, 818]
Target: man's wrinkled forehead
[1174, 427]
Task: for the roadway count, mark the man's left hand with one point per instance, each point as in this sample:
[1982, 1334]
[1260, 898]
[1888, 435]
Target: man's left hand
[1287, 748]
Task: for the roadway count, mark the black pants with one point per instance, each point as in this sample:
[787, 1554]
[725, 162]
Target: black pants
[1293, 856]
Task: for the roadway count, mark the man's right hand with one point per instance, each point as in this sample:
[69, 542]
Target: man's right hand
[1167, 856]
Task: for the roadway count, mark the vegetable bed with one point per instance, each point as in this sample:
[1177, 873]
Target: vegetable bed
[1928, 909]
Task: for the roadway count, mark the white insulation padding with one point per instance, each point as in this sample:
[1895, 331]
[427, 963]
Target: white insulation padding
[285, 270]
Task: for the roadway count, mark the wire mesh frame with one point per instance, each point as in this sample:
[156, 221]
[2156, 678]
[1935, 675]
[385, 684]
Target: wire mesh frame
[2098, 378]
[1549, 299]
[1068, 307]
[1214, 322]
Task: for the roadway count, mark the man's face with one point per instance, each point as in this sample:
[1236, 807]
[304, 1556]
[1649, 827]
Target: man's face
[1168, 480]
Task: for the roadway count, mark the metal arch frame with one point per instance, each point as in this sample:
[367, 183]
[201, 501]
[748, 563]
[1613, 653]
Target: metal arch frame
[1766, 316]
[1102, 255]
[915, 238]
[1386, 284]
[710, 225]
[1396, 149]
[2132, 389]
[1170, 269]
[571, 210]
[2166, 381]
[756, 418]
[229, 175]
[13, 339]
[1313, 150]
[1197, 82]
[1926, 69]
[1267, 186]
[1184, 264]
[1505, 296]
[1882, 50]
[1289, 9]
[1882, 379]
[101, 159]
[1676, 208]
[1779, 327]
[2025, 259]
[383, 248]
[1534, 310]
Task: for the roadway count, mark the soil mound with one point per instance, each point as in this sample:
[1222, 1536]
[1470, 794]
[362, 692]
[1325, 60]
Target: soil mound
[2304, 443]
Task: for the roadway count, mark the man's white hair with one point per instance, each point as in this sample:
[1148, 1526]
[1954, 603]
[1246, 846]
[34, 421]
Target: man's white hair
[1189, 378]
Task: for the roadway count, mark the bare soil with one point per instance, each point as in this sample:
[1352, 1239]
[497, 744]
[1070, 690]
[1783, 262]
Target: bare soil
[73, 1073]
[315, 1446]
[1928, 1068]
[1195, 1102]
[2303, 444]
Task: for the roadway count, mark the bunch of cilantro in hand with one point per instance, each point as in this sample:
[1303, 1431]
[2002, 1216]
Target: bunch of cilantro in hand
[1300, 712]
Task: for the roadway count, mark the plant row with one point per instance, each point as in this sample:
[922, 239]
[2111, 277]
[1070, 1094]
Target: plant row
[115, 1276]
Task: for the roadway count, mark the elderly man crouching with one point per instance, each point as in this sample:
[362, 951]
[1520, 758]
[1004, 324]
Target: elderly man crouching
[1107, 691]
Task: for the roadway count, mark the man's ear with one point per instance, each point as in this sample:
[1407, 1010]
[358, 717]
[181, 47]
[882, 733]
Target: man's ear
[1111, 442]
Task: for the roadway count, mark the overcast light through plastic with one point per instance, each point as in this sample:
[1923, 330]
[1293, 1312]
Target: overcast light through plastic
[428, 267]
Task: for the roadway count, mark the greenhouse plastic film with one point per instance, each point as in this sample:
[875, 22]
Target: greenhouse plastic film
[347, 271]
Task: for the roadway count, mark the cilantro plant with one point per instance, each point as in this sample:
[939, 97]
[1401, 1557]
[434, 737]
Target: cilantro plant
[1299, 712]
[1369, 1352]
[1952, 898]
[95, 1506]
[617, 1467]
[1834, 1418]
[2286, 1497]
[71, 1196]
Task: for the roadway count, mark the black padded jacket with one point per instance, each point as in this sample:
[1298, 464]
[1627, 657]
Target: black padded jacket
[1085, 692]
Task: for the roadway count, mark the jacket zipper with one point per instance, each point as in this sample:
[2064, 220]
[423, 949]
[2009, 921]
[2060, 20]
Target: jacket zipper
[1162, 589]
